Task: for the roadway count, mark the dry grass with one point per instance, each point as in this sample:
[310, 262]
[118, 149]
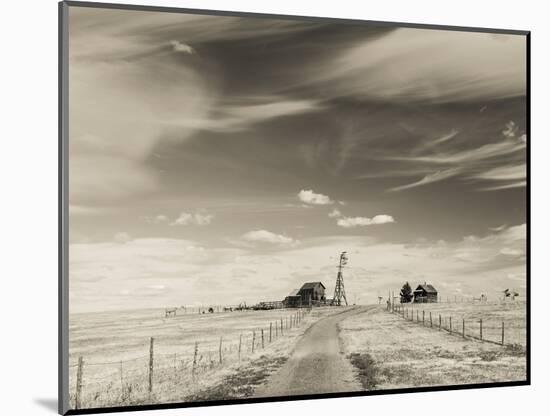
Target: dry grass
[493, 314]
[106, 339]
[390, 352]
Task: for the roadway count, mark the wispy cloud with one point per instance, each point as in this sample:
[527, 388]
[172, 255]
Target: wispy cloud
[335, 213]
[243, 113]
[486, 151]
[186, 218]
[157, 219]
[309, 197]
[513, 175]
[510, 130]
[503, 173]
[484, 163]
[445, 138]
[511, 252]
[414, 65]
[520, 184]
[264, 236]
[178, 46]
[352, 222]
[432, 177]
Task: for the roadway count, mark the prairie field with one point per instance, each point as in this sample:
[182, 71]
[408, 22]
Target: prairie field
[492, 315]
[115, 348]
[390, 351]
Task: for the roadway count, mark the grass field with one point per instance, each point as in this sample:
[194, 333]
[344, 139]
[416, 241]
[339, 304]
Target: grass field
[492, 314]
[391, 352]
[115, 350]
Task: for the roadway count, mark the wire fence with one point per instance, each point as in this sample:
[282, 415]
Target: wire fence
[506, 330]
[141, 379]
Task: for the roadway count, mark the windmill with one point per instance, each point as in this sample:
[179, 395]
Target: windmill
[339, 291]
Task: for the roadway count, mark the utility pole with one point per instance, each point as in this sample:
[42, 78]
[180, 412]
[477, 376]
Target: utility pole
[339, 291]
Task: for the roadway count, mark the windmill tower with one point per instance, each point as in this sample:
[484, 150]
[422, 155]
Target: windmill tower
[339, 291]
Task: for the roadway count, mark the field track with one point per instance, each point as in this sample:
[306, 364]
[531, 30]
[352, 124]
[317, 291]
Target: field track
[317, 364]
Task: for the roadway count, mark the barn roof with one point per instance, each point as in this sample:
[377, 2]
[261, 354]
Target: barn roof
[427, 288]
[295, 292]
[311, 285]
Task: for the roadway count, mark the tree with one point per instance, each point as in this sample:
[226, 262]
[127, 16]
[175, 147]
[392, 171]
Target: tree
[406, 293]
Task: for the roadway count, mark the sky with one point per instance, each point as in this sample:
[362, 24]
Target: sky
[216, 160]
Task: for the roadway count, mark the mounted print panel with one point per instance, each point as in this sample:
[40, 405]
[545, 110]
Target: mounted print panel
[266, 208]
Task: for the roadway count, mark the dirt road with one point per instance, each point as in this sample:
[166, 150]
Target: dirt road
[316, 365]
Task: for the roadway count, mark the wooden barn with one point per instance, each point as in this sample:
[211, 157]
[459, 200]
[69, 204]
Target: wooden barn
[313, 292]
[425, 294]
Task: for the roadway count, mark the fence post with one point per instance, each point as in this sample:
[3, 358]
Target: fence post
[151, 364]
[451, 324]
[282, 327]
[502, 338]
[195, 353]
[253, 340]
[276, 330]
[439, 322]
[423, 316]
[240, 343]
[262, 338]
[481, 329]
[78, 394]
[431, 322]
[463, 329]
[270, 325]
[220, 350]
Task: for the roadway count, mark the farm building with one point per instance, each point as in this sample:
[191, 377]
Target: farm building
[313, 292]
[425, 294]
[293, 300]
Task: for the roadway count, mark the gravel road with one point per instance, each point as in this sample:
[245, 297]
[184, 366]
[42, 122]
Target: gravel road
[317, 365]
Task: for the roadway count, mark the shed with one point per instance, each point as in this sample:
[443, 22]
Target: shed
[293, 300]
[425, 294]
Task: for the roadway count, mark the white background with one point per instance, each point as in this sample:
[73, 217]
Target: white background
[28, 319]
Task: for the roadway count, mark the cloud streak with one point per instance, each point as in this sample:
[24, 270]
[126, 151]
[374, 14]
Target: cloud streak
[186, 218]
[432, 177]
[469, 163]
[415, 65]
[264, 236]
[178, 46]
[352, 222]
